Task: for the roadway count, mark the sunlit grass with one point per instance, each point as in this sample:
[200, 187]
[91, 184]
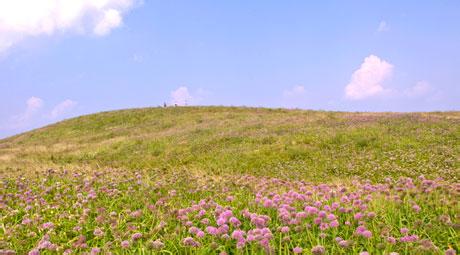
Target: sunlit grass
[281, 181]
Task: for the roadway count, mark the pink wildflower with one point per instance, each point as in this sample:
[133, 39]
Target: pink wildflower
[408, 239]
[367, 234]
[221, 221]
[212, 230]
[322, 214]
[157, 244]
[238, 234]
[34, 252]
[297, 250]
[318, 250]
[323, 226]
[358, 216]
[235, 222]
[26, 221]
[284, 229]
[317, 220]
[189, 241]
[48, 225]
[125, 244]
[334, 224]
[136, 236]
[136, 214]
[404, 230]
[193, 230]
[240, 244]
[98, 232]
[450, 251]
[268, 203]
[331, 217]
[391, 240]
[344, 243]
[200, 234]
[301, 215]
[205, 221]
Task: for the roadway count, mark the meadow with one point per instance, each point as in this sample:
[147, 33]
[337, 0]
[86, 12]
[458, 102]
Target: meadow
[232, 180]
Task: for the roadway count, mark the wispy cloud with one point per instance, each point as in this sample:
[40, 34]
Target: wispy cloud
[62, 108]
[33, 106]
[294, 91]
[421, 88]
[34, 115]
[383, 27]
[20, 19]
[295, 97]
[367, 80]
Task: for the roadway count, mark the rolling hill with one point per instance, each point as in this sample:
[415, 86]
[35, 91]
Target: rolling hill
[301, 144]
[228, 180]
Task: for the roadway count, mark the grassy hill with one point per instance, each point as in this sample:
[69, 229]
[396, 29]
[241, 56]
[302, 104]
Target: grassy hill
[226, 180]
[311, 145]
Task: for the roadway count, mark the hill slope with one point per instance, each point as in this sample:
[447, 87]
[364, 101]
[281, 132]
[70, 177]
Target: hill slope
[221, 180]
[275, 142]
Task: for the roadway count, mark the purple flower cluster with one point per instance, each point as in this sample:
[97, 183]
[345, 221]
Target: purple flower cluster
[102, 215]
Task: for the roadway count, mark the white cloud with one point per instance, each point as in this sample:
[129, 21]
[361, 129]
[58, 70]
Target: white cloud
[112, 18]
[383, 27]
[33, 115]
[421, 88]
[181, 96]
[20, 19]
[34, 104]
[367, 80]
[62, 108]
[294, 91]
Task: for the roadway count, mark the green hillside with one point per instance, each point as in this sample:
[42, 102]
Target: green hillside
[301, 144]
[226, 180]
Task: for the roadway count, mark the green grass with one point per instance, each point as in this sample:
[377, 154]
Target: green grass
[399, 170]
[307, 144]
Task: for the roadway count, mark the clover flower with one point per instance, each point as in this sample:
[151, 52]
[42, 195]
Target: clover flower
[136, 236]
[189, 241]
[284, 229]
[48, 225]
[125, 244]
[297, 250]
[318, 250]
[98, 232]
[157, 244]
[95, 251]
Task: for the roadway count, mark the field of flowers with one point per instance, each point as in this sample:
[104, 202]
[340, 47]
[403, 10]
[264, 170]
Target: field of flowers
[380, 198]
[64, 212]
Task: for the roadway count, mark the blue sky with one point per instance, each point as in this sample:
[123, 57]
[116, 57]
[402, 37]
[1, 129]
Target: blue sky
[60, 61]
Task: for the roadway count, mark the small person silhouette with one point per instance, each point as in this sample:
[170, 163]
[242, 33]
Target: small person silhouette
[164, 105]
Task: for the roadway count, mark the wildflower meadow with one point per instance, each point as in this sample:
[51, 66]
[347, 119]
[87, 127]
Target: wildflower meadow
[273, 185]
